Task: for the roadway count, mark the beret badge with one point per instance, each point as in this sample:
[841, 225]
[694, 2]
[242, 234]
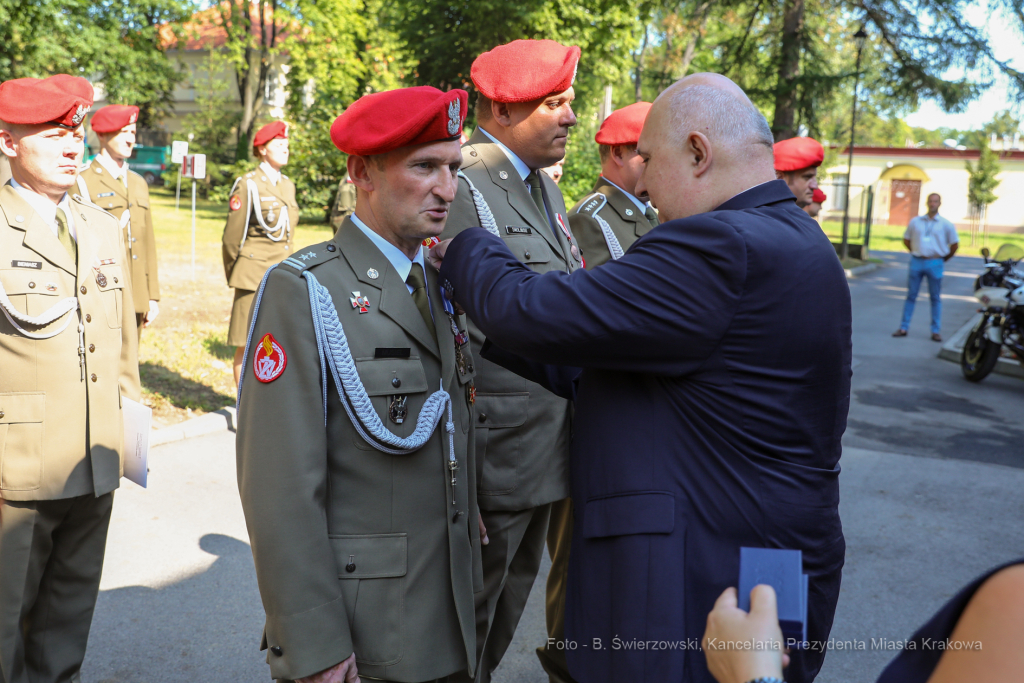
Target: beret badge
[80, 114]
[453, 117]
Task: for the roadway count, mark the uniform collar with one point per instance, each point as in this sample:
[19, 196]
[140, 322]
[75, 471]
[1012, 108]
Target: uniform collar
[112, 167]
[395, 256]
[46, 209]
[639, 204]
[272, 175]
[521, 168]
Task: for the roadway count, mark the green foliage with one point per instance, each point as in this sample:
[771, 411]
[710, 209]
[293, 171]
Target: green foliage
[582, 160]
[982, 179]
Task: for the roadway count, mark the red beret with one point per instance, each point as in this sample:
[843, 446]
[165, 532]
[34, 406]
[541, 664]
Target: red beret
[623, 126]
[819, 196]
[114, 117]
[796, 154]
[271, 131]
[384, 121]
[62, 100]
[525, 70]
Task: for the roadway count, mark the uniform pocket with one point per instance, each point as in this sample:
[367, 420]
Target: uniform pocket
[110, 281]
[372, 570]
[387, 378]
[529, 248]
[499, 441]
[21, 440]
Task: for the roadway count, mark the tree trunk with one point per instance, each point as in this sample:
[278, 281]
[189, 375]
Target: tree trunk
[250, 88]
[784, 121]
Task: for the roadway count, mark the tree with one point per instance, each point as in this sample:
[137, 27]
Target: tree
[981, 185]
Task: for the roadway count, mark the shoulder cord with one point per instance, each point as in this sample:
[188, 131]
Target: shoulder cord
[276, 233]
[55, 312]
[609, 237]
[332, 343]
[483, 212]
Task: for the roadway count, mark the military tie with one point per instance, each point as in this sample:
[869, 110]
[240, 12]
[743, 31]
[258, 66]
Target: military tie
[64, 235]
[537, 194]
[419, 296]
[651, 215]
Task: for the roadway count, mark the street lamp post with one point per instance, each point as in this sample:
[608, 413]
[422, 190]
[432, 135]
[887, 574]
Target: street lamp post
[844, 250]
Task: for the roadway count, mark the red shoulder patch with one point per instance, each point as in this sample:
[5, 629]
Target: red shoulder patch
[270, 360]
[235, 203]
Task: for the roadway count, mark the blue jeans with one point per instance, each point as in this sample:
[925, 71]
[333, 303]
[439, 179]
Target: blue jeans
[921, 268]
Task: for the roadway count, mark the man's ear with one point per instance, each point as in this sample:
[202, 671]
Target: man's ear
[781, 175]
[618, 154]
[698, 148]
[7, 144]
[501, 113]
[359, 172]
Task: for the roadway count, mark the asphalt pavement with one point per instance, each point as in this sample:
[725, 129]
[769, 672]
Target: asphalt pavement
[933, 469]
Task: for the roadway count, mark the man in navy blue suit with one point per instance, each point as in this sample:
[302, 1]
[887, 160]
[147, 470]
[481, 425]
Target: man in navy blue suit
[711, 395]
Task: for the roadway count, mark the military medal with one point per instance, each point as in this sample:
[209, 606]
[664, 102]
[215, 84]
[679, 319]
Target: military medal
[398, 410]
[271, 216]
[430, 242]
[461, 338]
[101, 279]
[360, 302]
[471, 393]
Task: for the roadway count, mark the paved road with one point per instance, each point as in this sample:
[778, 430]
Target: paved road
[932, 475]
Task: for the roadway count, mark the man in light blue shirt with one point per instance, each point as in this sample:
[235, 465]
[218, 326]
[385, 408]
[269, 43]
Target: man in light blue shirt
[931, 241]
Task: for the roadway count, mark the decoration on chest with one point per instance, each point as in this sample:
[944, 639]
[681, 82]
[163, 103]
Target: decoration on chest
[360, 302]
[270, 359]
[431, 242]
[398, 410]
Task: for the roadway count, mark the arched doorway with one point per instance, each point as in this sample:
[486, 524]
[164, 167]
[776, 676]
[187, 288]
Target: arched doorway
[904, 193]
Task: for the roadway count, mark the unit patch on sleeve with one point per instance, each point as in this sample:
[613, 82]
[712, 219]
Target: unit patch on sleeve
[270, 360]
[235, 203]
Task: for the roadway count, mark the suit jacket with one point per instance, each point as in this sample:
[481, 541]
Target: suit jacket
[611, 205]
[140, 242]
[246, 260]
[355, 549]
[523, 429]
[61, 432]
[713, 396]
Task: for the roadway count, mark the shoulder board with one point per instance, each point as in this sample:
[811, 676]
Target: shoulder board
[592, 204]
[471, 156]
[312, 256]
[79, 199]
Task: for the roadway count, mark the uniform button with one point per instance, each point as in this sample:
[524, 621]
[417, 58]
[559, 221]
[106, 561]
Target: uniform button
[483, 417]
[396, 382]
[31, 285]
[82, 289]
[331, 247]
[472, 154]
[276, 649]
[93, 377]
[470, 368]
[92, 348]
[115, 279]
[88, 317]
[1, 414]
[134, 256]
[350, 567]
[527, 254]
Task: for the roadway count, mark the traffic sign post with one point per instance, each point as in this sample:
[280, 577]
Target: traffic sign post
[194, 166]
[179, 148]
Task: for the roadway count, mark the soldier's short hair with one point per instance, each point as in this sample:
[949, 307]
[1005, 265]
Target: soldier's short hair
[482, 108]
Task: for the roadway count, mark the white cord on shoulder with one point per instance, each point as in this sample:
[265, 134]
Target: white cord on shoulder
[614, 247]
[483, 212]
[13, 315]
[279, 231]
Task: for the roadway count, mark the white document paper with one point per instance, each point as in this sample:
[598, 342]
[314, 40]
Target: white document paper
[137, 421]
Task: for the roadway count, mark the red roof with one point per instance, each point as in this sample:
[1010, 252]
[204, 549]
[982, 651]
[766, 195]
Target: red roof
[934, 153]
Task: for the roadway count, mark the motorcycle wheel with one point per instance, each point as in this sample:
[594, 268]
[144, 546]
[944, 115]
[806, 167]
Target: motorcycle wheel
[979, 356]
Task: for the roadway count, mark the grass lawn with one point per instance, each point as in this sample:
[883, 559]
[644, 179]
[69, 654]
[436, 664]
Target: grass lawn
[890, 238]
[183, 359]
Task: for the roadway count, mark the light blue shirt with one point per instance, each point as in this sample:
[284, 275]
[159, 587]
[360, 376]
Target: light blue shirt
[640, 205]
[521, 168]
[930, 237]
[393, 254]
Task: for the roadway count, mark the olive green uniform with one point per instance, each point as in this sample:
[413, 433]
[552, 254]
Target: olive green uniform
[248, 247]
[522, 429]
[117, 197]
[355, 549]
[608, 209]
[61, 430]
[344, 203]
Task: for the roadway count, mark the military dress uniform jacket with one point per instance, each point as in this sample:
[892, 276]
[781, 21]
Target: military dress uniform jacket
[607, 209]
[355, 549]
[248, 248]
[522, 429]
[110, 194]
[61, 435]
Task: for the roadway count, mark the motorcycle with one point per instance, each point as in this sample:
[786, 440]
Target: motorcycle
[1000, 289]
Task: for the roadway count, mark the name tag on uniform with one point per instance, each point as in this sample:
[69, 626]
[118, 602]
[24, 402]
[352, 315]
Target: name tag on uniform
[105, 194]
[513, 230]
[37, 265]
[389, 352]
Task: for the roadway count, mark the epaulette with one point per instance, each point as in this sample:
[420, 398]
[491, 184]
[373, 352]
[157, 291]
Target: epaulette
[470, 156]
[82, 200]
[312, 256]
[592, 204]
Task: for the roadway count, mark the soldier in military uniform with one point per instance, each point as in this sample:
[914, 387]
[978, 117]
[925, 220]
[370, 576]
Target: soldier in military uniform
[797, 161]
[608, 221]
[109, 183]
[68, 348]
[344, 203]
[261, 224]
[363, 516]
[524, 114]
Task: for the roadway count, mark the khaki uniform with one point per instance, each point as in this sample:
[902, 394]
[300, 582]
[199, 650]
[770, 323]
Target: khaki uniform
[5, 169]
[355, 549]
[61, 431]
[140, 242]
[607, 206]
[522, 429]
[344, 203]
[249, 248]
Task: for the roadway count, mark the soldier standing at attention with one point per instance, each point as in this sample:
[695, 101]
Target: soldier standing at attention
[797, 161]
[524, 114]
[261, 224]
[355, 435]
[108, 182]
[608, 221]
[344, 202]
[68, 346]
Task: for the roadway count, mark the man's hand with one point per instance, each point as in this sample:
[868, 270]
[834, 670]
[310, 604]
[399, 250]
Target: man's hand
[344, 672]
[483, 530]
[151, 314]
[952, 250]
[730, 629]
[436, 254]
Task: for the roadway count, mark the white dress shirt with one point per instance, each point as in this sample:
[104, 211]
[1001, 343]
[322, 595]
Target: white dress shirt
[401, 263]
[272, 175]
[113, 168]
[639, 204]
[46, 209]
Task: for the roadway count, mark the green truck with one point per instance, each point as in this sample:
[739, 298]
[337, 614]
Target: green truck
[148, 162]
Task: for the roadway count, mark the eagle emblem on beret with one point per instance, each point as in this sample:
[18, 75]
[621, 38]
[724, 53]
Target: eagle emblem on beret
[453, 116]
[79, 114]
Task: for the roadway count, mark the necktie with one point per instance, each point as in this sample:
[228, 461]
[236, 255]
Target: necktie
[419, 296]
[651, 215]
[536, 193]
[64, 235]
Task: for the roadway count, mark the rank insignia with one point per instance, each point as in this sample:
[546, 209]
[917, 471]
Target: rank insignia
[270, 360]
[360, 302]
[308, 255]
[235, 203]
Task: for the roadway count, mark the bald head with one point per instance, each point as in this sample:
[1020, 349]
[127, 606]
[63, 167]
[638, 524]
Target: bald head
[703, 142]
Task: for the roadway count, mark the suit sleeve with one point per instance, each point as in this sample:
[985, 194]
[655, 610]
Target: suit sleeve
[236, 226]
[662, 308]
[128, 381]
[152, 277]
[560, 380]
[283, 482]
[591, 240]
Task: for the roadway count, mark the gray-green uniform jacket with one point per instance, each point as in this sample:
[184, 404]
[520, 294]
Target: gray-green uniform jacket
[355, 549]
[522, 441]
[607, 220]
